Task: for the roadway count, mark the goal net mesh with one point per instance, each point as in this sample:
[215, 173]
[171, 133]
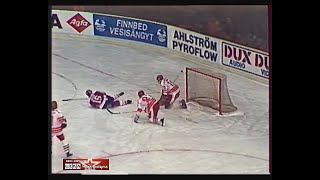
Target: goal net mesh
[208, 88]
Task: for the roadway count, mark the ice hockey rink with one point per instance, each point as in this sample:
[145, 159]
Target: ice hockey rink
[194, 141]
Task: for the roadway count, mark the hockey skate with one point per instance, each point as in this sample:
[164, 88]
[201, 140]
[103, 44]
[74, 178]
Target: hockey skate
[183, 104]
[129, 101]
[120, 94]
[162, 122]
[136, 119]
[69, 154]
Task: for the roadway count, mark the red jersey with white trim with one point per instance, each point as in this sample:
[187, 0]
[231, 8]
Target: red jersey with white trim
[168, 87]
[57, 120]
[98, 99]
[146, 102]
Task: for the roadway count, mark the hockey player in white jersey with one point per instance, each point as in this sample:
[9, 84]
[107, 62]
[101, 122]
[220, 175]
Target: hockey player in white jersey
[170, 92]
[59, 122]
[149, 105]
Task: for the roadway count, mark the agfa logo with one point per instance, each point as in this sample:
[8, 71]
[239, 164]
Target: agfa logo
[100, 25]
[161, 35]
[78, 23]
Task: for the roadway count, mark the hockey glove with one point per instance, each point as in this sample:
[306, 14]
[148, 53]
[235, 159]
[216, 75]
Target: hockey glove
[64, 125]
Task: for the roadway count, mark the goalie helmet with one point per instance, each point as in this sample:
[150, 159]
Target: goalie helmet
[159, 78]
[140, 93]
[88, 92]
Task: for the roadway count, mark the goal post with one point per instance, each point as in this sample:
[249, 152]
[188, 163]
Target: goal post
[208, 88]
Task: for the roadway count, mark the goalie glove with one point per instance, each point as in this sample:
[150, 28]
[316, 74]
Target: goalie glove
[136, 118]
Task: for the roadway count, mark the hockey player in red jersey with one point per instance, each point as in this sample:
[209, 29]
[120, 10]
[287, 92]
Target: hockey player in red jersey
[101, 100]
[59, 122]
[149, 105]
[170, 92]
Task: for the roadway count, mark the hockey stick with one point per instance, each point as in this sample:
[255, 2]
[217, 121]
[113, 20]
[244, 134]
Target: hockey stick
[124, 112]
[111, 111]
[177, 76]
[74, 99]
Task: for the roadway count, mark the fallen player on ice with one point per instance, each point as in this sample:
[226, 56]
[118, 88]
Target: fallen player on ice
[101, 100]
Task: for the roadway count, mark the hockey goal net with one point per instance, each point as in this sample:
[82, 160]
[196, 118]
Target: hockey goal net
[209, 89]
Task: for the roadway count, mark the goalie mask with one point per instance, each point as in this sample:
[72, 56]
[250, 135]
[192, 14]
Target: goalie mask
[159, 78]
[88, 92]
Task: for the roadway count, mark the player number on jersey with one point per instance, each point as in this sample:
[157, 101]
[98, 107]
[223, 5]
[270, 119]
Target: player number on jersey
[96, 98]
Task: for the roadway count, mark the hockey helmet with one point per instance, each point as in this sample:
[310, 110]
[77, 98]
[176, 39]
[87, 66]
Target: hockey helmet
[140, 93]
[54, 105]
[159, 78]
[88, 92]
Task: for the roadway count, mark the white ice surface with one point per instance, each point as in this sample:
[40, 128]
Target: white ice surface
[193, 141]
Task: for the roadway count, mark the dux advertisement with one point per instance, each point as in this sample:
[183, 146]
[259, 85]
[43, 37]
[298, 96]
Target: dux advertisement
[130, 29]
[245, 59]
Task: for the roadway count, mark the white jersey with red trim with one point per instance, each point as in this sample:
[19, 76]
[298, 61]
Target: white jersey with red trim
[57, 120]
[146, 102]
[168, 87]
